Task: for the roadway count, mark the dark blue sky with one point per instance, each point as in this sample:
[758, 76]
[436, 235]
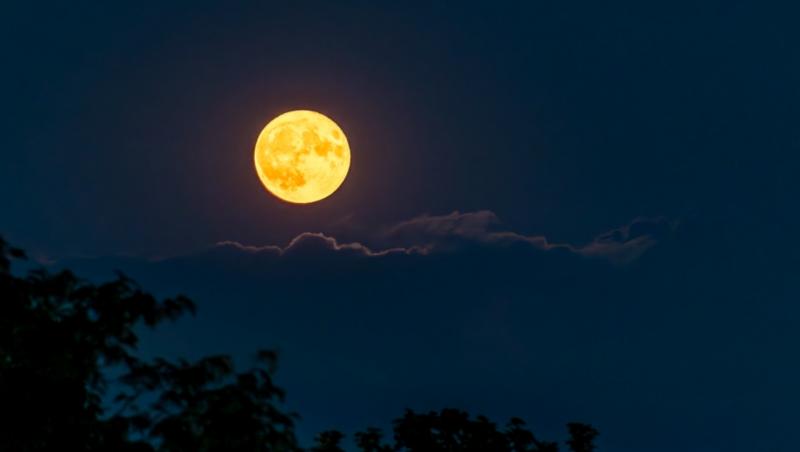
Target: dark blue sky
[127, 130]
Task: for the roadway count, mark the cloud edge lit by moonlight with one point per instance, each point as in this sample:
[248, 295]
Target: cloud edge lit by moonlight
[456, 231]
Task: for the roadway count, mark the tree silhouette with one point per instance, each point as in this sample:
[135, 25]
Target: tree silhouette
[205, 406]
[329, 441]
[448, 430]
[371, 440]
[520, 439]
[70, 379]
[455, 430]
[582, 437]
[61, 338]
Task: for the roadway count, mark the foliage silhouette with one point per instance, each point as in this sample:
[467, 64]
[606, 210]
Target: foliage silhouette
[60, 340]
[329, 441]
[582, 437]
[70, 379]
[456, 431]
[371, 440]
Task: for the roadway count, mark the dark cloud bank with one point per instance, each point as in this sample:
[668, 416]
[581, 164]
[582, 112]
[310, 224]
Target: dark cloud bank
[646, 331]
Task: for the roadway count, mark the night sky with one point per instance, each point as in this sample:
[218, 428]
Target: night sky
[555, 210]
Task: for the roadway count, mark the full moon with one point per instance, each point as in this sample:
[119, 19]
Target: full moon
[302, 156]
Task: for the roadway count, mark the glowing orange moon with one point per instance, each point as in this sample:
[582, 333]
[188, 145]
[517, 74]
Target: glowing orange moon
[302, 156]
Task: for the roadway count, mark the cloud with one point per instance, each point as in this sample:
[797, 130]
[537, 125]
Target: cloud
[628, 243]
[315, 243]
[456, 231]
[474, 225]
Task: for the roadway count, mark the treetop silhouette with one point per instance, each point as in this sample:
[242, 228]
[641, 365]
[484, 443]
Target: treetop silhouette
[71, 379]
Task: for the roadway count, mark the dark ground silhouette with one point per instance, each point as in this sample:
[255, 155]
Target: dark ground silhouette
[70, 379]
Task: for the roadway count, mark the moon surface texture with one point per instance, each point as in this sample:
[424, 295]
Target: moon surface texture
[302, 156]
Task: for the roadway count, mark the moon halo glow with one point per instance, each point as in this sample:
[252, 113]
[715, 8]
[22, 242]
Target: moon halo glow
[302, 156]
